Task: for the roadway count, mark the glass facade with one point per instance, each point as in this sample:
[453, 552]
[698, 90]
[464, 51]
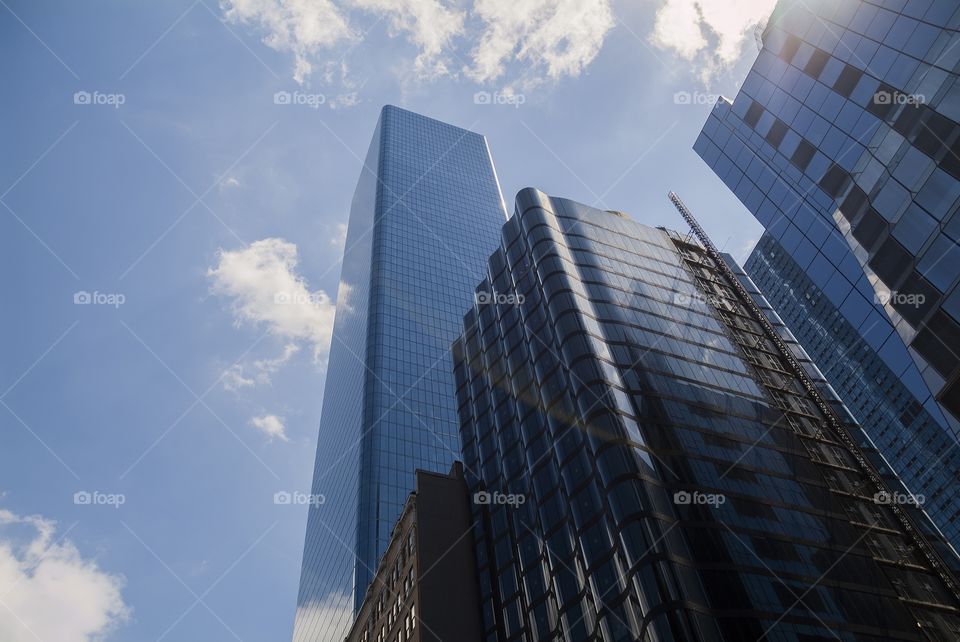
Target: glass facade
[647, 462]
[426, 214]
[925, 456]
[843, 143]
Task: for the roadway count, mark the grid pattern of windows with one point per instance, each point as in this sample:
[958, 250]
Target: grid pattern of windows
[426, 214]
[845, 136]
[622, 392]
[924, 456]
[389, 610]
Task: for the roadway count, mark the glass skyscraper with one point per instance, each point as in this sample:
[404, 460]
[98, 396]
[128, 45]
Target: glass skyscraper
[425, 216]
[922, 453]
[654, 457]
[843, 142]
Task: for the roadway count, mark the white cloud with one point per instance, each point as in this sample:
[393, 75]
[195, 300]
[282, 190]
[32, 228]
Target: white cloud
[339, 238]
[426, 23]
[554, 38]
[334, 612]
[343, 101]
[50, 591]
[263, 284]
[270, 425]
[745, 250]
[713, 32]
[229, 183]
[235, 377]
[267, 367]
[300, 27]
[562, 36]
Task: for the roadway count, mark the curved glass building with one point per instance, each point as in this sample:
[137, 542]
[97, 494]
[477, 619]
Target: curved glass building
[653, 456]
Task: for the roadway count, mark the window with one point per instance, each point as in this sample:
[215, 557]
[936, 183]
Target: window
[753, 114]
[834, 181]
[803, 154]
[848, 79]
[817, 62]
[790, 47]
[777, 131]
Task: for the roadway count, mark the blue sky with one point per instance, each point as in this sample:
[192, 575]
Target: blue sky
[149, 169]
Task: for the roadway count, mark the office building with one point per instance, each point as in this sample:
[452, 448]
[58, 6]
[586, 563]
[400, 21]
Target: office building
[426, 214]
[660, 460]
[425, 588]
[924, 455]
[843, 143]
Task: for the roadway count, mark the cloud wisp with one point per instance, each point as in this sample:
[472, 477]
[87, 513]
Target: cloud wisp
[710, 33]
[49, 590]
[552, 38]
[483, 40]
[264, 289]
[270, 425]
[300, 27]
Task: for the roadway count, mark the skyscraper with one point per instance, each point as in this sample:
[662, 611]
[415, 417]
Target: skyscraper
[843, 143]
[923, 454]
[839, 143]
[426, 214]
[659, 459]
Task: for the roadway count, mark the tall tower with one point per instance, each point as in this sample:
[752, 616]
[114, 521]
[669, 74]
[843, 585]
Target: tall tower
[843, 142]
[924, 456]
[654, 457]
[425, 216]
